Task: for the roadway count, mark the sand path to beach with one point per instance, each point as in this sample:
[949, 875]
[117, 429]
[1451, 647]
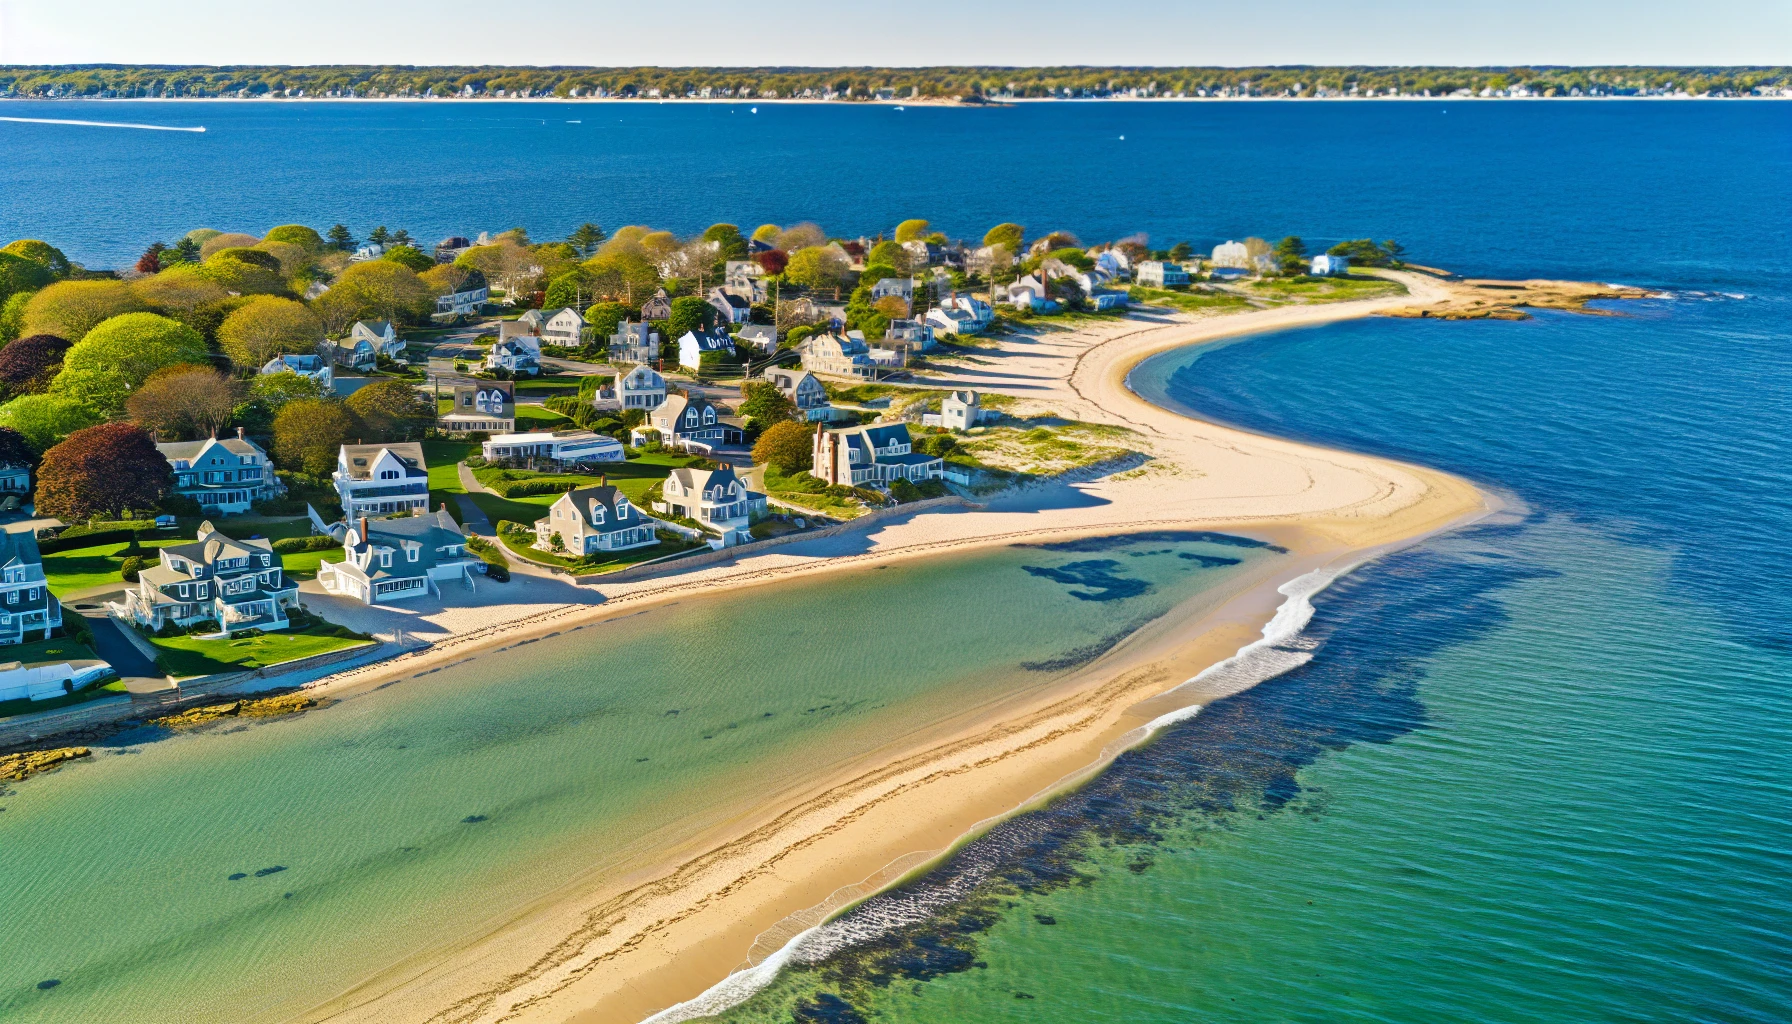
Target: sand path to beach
[617, 949]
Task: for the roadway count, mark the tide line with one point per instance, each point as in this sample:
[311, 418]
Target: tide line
[103, 124]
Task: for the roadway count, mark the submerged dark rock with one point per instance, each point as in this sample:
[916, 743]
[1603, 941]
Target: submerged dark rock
[1100, 576]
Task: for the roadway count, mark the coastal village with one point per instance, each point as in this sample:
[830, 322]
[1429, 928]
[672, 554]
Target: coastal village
[249, 457]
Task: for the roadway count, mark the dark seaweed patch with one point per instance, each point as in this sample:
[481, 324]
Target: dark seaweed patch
[472, 819]
[1208, 561]
[49, 983]
[1098, 575]
[276, 869]
[826, 1009]
[239, 876]
[1241, 755]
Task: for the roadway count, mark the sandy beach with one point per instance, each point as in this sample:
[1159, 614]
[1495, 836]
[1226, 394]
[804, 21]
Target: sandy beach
[681, 919]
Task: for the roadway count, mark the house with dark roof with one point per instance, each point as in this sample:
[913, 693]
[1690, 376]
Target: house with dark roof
[381, 479]
[561, 326]
[381, 335]
[657, 308]
[694, 345]
[804, 390]
[871, 456]
[687, 421]
[239, 584]
[714, 498]
[732, 308]
[467, 297]
[395, 559]
[314, 366]
[28, 611]
[225, 476]
[488, 405]
[587, 520]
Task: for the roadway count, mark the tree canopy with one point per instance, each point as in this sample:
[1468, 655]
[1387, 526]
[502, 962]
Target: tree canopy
[689, 313]
[1008, 235]
[50, 257]
[18, 274]
[106, 468]
[788, 445]
[47, 419]
[266, 327]
[819, 267]
[178, 290]
[392, 410]
[225, 240]
[374, 290]
[911, 230]
[104, 367]
[308, 432]
[409, 256]
[296, 234]
[69, 309]
[15, 450]
[767, 233]
[183, 402]
[764, 401]
[730, 245]
[29, 364]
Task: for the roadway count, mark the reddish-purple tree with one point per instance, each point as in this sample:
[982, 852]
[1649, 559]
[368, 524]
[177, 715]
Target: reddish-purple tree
[108, 468]
[772, 261]
[27, 365]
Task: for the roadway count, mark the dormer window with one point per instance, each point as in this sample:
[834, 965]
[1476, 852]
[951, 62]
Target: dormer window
[267, 559]
[709, 416]
[388, 474]
[385, 559]
[413, 551]
[597, 515]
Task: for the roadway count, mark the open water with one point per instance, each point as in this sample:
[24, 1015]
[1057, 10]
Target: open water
[1534, 771]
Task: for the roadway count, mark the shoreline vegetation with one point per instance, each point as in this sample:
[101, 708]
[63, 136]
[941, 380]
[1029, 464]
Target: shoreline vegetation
[969, 85]
[679, 920]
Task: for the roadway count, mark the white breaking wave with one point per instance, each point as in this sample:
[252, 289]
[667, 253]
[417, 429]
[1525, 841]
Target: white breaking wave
[1281, 649]
[103, 124]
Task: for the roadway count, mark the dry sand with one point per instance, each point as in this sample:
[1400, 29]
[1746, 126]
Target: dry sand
[621, 947]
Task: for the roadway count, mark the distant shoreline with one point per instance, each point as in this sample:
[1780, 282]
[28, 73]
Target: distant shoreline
[923, 102]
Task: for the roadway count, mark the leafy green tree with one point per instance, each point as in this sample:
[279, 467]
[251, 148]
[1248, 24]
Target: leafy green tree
[1009, 236]
[767, 233]
[245, 271]
[1291, 254]
[46, 419]
[222, 241]
[340, 239]
[801, 236]
[308, 432]
[185, 251]
[586, 238]
[569, 289]
[890, 255]
[18, 274]
[762, 400]
[1394, 252]
[1181, 251]
[116, 357]
[407, 256]
[729, 241]
[605, 317]
[50, 257]
[1363, 252]
[12, 315]
[179, 290]
[819, 268]
[374, 290]
[268, 393]
[29, 364]
[392, 410]
[266, 327]
[69, 309]
[296, 234]
[689, 313]
[911, 230]
[789, 445]
[105, 468]
[200, 236]
[380, 236]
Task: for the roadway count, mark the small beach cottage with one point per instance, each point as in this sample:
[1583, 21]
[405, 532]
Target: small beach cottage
[871, 456]
[488, 406]
[225, 477]
[28, 611]
[588, 520]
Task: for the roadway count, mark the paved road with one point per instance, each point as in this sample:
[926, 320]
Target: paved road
[472, 517]
[109, 643]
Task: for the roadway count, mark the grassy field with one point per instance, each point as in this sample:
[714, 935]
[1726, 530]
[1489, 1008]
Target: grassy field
[1047, 450]
[536, 417]
[191, 656]
[90, 567]
[1191, 301]
[1325, 289]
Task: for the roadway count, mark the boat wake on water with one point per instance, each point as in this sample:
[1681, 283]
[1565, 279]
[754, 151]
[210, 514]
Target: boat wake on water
[1281, 649]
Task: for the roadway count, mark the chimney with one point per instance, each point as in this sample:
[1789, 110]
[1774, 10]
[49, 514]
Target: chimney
[603, 479]
[239, 433]
[363, 529]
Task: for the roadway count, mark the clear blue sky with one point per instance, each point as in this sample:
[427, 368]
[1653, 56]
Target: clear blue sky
[710, 32]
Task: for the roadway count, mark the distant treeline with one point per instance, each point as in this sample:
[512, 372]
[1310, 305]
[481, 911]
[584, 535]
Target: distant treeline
[972, 84]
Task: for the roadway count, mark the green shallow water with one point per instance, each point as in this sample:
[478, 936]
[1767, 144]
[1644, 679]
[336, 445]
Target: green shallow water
[428, 811]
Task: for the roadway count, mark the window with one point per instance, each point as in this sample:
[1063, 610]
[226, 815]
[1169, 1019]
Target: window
[597, 515]
[388, 474]
[183, 590]
[385, 559]
[412, 552]
[267, 559]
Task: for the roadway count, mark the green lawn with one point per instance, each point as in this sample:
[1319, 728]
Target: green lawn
[633, 478]
[1190, 301]
[520, 546]
[1327, 289]
[444, 458]
[302, 565]
[536, 417]
[190, 656]
[90, 567]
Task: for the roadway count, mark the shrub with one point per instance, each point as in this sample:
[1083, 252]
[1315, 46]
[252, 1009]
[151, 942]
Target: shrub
[290, 545]
[132, 565]
[904, 491]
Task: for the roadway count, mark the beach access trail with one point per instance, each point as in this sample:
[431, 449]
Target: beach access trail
[625, 946]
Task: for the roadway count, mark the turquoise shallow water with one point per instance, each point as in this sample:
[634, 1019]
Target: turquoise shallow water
[430, 810]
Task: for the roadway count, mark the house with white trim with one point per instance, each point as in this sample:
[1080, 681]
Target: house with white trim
[239, 584]
[467, 297]
[686, 421]
[226, 477]
[694, 345]
[487, 405]
[558, 449]
[588, 520]
[871, 456]
[563, 326]
[657, 308]
[634, 343]
[729, 307]
[745, 278]
[387, 560]
[381, 479]
[1232, 254]
[28, 611]
[1327, 265]
[381, 335]
[1162, 274]
[804, 390]
[715, 498]
[640, 388]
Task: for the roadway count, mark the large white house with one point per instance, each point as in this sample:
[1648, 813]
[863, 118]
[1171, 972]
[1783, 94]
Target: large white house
[640, 388]
[840, 355]
[634, 343]
[561, 449]
[563, 326]
[517, 350]
[239, 584]
[1326, 265]
[746, 279]
[1162, 274]
[394, 559]
[488, 405]
[715, 498]
[381, 479]
[804, 390]
[28, 611]
[225, 476]
[871, 456]
[694, 345]
[587, 520]
[731, 308]
[1232, 254]
[959, 410]
[467, 297]
[314, 367]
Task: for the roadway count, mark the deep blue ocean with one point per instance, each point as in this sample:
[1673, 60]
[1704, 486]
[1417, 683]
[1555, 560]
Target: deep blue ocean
[1537, 769]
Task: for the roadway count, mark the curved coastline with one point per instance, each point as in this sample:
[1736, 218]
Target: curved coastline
[628, 948]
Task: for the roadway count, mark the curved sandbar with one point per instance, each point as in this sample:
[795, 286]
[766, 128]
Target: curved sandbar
[621, 947]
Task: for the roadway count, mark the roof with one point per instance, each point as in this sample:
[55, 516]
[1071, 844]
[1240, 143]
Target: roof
[379, 327]
[758, 331]
[432, 529]
[709, 341]
[604, 496]
[189, 450]
[730, 298]
[360, 458]
[19, 547]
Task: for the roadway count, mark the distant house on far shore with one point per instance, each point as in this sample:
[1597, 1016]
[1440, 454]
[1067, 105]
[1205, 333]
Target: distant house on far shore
[1330, 266]
[1162, 274]
[1232, 254]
